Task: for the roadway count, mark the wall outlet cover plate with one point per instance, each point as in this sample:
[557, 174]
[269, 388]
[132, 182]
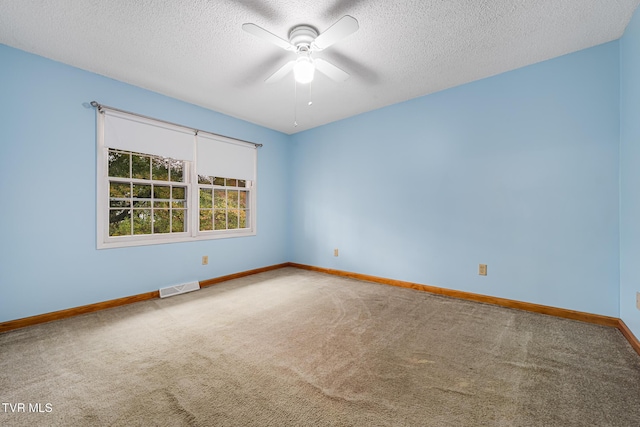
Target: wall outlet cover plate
[482, 269]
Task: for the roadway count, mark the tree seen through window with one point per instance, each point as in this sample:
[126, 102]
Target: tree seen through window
[147, 194]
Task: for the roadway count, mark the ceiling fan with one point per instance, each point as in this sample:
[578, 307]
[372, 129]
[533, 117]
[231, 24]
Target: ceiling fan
[304, 40]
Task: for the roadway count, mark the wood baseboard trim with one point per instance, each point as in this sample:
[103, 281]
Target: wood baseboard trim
[90, 308]
[526, 306]
[633, 340]
[215, 280]
[75, 311]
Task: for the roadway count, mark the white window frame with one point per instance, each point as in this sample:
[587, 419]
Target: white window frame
[214, 187]
[192, 233]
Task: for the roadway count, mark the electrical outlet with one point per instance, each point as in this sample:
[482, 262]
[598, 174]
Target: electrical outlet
[335, 252]
[205, 260]
[482, 269]
[638, 300]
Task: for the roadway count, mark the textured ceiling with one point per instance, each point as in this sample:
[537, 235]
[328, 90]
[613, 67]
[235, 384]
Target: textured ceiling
[196, 50]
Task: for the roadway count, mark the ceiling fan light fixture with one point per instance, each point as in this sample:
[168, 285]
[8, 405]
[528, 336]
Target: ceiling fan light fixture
[304, 69]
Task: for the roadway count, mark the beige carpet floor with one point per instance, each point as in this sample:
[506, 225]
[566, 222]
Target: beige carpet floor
[293, 347]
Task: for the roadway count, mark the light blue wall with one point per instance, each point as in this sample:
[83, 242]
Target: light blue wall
[630, 174]
[517, 171]
[48, 256]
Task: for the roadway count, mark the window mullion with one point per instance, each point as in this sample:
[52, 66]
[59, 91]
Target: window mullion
[170, 204]
[193, 199]
[131, 211]
[226, 209]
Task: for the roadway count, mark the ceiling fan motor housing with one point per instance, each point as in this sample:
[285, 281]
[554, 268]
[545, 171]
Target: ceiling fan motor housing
[302, 36]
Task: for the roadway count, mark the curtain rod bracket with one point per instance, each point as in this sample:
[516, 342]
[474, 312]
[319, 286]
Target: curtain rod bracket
[95, 104]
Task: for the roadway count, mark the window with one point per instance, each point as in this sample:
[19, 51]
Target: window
[161, 183]
[147, 194]
[224, 203]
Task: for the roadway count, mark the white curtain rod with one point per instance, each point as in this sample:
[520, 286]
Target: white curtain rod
[101, 107]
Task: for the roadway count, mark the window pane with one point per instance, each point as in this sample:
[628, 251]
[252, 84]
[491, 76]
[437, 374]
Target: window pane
[242, 183]
[218, 181]
[177, 221]
[232, 219]
[119, 164]
[206, 194]
[142, 203]
[206, 216]
[220, 217]
[232, 182]
[140, 166]
[119, 204]
[243, 199]
[141, 221]
[161, 221]
[220, 199]
[160, 169]
[177, 171]
[119, 190]
[161, 192]
[232, 198]
[178, 193]
[203, 179]
[160, 204]
[119, 222]
[242, 221]
[142, 191]
[178, 204]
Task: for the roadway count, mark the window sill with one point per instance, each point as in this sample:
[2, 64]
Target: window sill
[128, 241]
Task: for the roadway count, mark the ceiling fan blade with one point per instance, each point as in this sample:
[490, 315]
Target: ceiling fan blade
[266, 35]
[345, 26]
[281, 72]
[331, 70]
